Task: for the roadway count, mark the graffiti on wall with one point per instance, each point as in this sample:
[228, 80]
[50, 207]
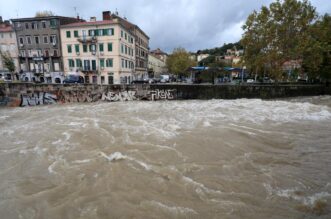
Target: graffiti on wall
[79, 96]
[4, 101]
[39, 98]
[162, 94]
[119, 96]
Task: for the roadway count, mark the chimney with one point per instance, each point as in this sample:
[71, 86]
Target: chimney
[93, 19]
[106, 15]
[77, 17]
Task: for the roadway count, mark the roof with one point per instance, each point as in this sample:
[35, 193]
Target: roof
[88, 23]
[6, 29]
[199, 68]
[158, 51]
[40, 18]
[129, 25]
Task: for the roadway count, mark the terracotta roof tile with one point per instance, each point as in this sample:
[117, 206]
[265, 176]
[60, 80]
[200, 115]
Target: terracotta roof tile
[88, 23]
[6, 29]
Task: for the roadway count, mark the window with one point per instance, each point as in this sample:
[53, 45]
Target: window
[126, 49]
[45, 39]
[28, 39]
[121, 33]
[122, 48]
[76, 33]
[125, 36]
[110, 47]
[94, 79]
[43, 23]
[26, 25]
[79, 63]
[94, 65]
[86, 65]
[84, 48]
[101, 47]
[32, 25]
[69, 48]
[53, 23]
[39, 52]
[112, 31]
[52, 39]
[77, 48]
[122, 63]
[102, 79]
[126, 63]
[92, 48]
[71, 63]
[21, 39]
[105, 32]
[22, 53]
[68, 34]
[109, 63]
[102, 63]
[84, 33]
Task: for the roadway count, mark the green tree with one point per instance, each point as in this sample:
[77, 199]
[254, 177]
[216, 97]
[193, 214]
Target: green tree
[44, 13]
[276, 34]
[317, 58]
[179, 61]
[8, 62]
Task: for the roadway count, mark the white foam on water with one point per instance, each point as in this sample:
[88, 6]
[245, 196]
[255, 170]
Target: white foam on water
[81, 161]
[119, 156]
[291, 193]
[114, 156]
[200, 185]
[176, 210]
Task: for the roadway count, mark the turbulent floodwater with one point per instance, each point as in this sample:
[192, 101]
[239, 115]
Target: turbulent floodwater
[177, 159]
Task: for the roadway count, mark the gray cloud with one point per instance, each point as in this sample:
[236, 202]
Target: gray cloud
[192, 24]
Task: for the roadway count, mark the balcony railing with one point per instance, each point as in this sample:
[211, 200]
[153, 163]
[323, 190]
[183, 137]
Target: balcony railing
[85, 39]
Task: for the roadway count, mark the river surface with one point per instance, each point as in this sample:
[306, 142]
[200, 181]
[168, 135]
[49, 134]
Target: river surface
[245, 158]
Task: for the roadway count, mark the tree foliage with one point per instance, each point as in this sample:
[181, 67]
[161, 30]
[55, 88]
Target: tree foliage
[7, 61]
[219, 51]
[280, 33]
[179, 61]
[44, 13]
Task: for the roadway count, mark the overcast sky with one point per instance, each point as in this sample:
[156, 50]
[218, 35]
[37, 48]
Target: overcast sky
[192, 24]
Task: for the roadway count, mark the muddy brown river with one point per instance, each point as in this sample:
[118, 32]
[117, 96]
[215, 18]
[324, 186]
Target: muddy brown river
[245, 158]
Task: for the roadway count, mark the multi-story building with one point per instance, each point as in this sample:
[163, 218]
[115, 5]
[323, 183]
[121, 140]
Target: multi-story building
[103, 51]
[8, 45]
[39, 46]
[156, 64]
[141, 45]
[159, 54]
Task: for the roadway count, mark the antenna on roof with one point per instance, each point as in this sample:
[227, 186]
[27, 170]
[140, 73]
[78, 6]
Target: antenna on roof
[16, 13]
[116, 12]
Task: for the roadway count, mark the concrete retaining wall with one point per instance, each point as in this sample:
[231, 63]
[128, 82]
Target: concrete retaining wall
[27, 94]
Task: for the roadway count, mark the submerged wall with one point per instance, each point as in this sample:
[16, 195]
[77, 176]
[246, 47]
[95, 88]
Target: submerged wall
[27, 94]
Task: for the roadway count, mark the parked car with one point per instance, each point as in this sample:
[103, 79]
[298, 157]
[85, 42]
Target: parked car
[73, 79]
[250, 81]
[165, 78]
[5, 77]
[140, 82]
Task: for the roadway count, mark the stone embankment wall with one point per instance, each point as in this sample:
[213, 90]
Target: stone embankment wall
[27, 94]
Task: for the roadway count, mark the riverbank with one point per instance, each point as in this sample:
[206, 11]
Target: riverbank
[27, 94]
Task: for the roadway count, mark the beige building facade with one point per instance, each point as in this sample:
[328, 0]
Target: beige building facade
[156, 66]
[141, 45]
[100, 51]
[8, 45]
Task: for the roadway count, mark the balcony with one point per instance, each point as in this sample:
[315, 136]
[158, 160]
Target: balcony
[85, 39]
